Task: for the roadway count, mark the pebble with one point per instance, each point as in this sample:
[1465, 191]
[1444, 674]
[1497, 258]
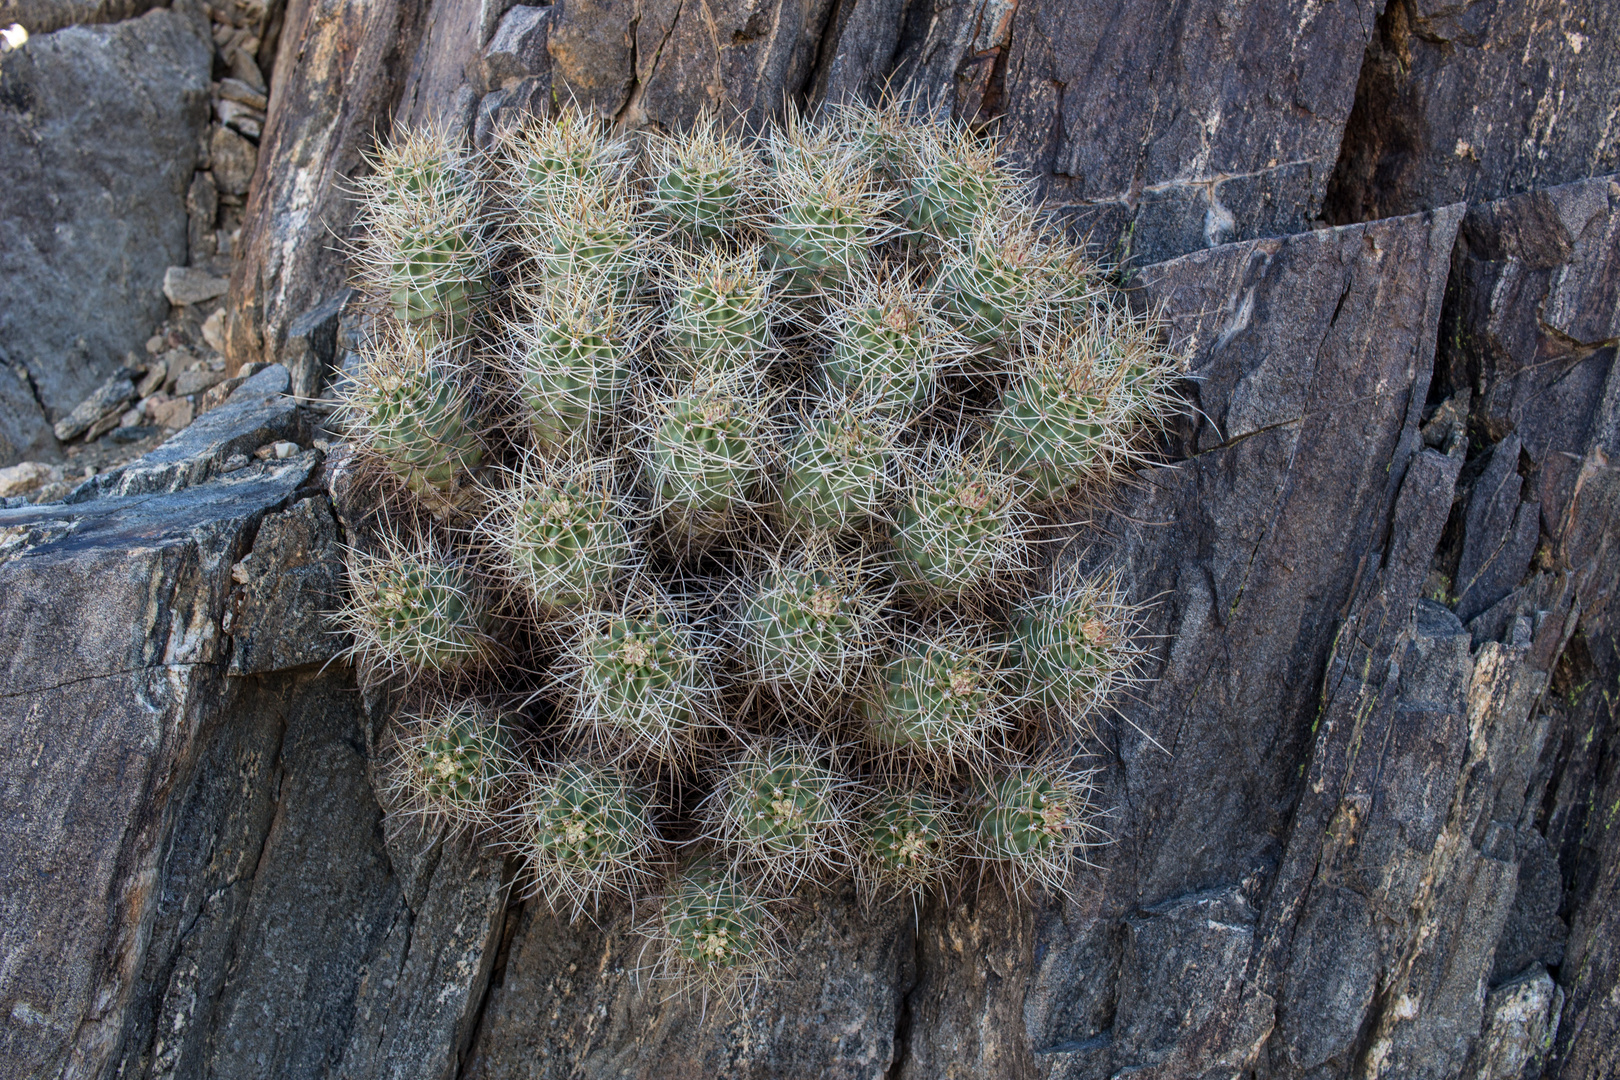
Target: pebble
[24, 477]
[185, 285]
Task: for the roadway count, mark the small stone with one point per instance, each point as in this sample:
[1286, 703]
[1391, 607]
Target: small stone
[156, 344]
[234, 160]
[156, 375]
[25, 476]
[110, 398]
[185, 285]
[101, 427]
[239, 91]
[252, 368]
[246, 70]
[249, 122]
[173, 414]
[131, 434]
[213, 330]
[195, 382]
[132, 417]
[218, 393]
[235, 462]
[285, 450]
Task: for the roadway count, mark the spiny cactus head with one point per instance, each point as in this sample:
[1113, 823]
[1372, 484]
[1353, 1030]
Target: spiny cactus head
[907, 841]
[552, 159]
[888, 346]
[1076, 644]
[591, 238]
[560, 531]
[408, 409]
[700, 177]
[1007, 277]
[939, 698]
[586, 830]
[834, 469]
[705, 453]
[425, 247]
[570, 353]
[954, 182]
[640, 678]
[958, 526]
[826, 211]
[1133, 357]
[412, 610]
[715, 924]
[782, 807]
[1032, 820]
[721, 306]
[810, 626]
[452, 761]
[1060, 423]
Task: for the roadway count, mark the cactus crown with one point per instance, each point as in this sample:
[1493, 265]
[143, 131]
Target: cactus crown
[412, 610]
[588, 831]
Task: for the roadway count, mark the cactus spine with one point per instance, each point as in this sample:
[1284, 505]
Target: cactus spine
[939, 697]
[409, 410]
[958, 524]
[783, 809]
[699, 180]
[907, 841]
[640, 679]
[1032, 820]
[810, 627]
[714, 923]
[834, 469]
[571, 355]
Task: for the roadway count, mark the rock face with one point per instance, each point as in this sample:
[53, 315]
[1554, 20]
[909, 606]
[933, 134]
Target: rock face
[1363, 814]
[98, 136]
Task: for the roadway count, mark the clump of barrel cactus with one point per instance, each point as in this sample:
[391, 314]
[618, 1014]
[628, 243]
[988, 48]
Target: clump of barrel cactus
[762, 446]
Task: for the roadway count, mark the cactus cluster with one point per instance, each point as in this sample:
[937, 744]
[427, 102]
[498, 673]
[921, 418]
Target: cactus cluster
[730, 465]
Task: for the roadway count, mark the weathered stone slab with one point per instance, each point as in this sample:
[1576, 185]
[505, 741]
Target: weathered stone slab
[98, 135]
[1477, 101]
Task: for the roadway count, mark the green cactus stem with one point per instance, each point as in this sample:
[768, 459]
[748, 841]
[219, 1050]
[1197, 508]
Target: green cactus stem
[561, 532]
[938, 697]
[780, 807]
[588, 832]
[958, 525]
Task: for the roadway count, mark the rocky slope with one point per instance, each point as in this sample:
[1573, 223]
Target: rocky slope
[1366, 814]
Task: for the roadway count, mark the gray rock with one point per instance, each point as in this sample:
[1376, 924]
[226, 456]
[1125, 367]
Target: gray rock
[1477, 101]
[184, 285]
[202, 211]
[312, 346]
[43, 16]
[96, 151]
[258, 412]
[25, 434]
[233, 160]
[288, 583]
[110, 397]
[518, 49]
